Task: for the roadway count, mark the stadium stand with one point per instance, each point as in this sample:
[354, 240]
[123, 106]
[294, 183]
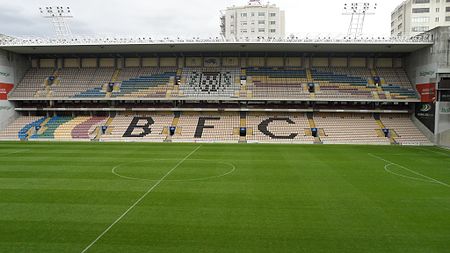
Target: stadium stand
[209, 127]
[19, 129]
[403, 130]
[151, 82]
[344, 128]
[278, 128]
[262, 83]
[33, 84]
[88, 129]
[210, 82]
[139, 127]
[332, 128]
[276, 83]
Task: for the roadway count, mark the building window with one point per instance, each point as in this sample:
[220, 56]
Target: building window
[273, 30]
[420, 20]
[273, 14]
[437, 9]
[244, 31]
[420, 10]
[232, 16]
[253, 14]
[421, 1]
[436, 19]
[420, 28]
[447, 19]
[447, 9]
[244, 23]
[244, 15]
[273, 22]
[261, 30]
[261, 14]
[261, 22]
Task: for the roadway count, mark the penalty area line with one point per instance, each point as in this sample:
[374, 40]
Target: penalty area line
[410, 170]
[139, 200]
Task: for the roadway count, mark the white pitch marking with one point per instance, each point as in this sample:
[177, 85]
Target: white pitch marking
[233, 168]
[15, 152]
[410, 170]
[386, 168]
[139, 200]
[433, 151]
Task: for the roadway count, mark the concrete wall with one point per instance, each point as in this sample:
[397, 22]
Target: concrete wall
[429, 65]
[13, 68]
[443, 124]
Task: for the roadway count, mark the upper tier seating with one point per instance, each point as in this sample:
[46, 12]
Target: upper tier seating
[277, 83]
[341, 128]
[218, 83]
[210, 82]
[153, 84]
[358, 84]
[32, 83]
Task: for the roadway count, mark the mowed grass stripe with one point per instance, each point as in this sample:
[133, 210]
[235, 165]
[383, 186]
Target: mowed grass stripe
[281, 198]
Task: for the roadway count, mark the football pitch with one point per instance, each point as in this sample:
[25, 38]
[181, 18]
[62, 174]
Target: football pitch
[141, 197]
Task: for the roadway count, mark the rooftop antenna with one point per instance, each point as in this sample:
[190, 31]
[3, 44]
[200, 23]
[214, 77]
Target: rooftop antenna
[254, 2]
[358, 12]
[58, 16]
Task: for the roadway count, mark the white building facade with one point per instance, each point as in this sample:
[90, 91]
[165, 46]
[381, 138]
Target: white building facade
[253, 21]
[413, 17]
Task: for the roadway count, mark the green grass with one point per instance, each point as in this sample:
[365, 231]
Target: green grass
[59, 197]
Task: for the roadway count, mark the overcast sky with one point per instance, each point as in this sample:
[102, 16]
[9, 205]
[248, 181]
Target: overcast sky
[181, 18]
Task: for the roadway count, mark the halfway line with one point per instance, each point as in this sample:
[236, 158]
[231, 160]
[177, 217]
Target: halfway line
[139, 200]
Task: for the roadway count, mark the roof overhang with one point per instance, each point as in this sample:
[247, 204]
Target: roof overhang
[215, 47]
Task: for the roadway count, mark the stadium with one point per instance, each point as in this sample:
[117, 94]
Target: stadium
[211, 145]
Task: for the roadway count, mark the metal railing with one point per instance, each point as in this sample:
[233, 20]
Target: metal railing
[7, 41]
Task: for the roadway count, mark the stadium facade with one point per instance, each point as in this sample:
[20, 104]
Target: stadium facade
[363, 91]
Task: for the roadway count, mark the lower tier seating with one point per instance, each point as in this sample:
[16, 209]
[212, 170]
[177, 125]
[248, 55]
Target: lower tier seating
[341, 128]
[143, 127]
[208, 127]
[406, 131]
[278, 128]
[18, 128]
[332, 128]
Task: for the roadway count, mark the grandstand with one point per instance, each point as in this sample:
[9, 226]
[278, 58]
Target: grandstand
[289, 92]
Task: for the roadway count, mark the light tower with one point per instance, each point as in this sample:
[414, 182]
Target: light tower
[58, 14]
[358, 12]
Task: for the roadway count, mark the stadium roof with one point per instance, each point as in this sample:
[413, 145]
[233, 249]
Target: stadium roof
[147, 45]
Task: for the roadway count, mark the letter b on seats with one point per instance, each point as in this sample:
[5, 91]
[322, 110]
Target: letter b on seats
[136, 124]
